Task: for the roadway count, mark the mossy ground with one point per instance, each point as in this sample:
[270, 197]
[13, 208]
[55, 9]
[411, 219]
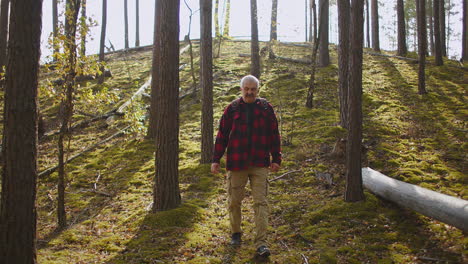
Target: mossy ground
[418, 139]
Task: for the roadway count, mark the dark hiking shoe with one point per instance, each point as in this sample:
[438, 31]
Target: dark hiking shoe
[263, 251]
[236, 239]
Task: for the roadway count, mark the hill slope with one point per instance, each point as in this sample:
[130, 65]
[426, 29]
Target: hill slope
[417, 139]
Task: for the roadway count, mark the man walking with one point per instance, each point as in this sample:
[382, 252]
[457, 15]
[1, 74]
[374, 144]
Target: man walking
[249, 130]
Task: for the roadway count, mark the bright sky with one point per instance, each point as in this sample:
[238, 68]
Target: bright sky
[291, 17]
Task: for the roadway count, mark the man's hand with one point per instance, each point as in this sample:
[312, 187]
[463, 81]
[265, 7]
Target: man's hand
[215, 168]
[274, 167]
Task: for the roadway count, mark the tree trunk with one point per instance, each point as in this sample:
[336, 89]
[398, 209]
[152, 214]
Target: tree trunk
[72, 9]
[84, 30]
[314, 8]
[447, 209]
[437, 48]
[227, 18]
[375, 25]
[126, 22]
[354, 191]
[442, 27]
[324, 55]
[4, 7]
[310, 92]
[367, 24]
[431, 27]
[137, 23]
[103, 40]
[311, 20]
[422, 44]
[55, 28]
[18, 196]
[306, 22]
[216, 19]
[343, 59]
[402, 49]
[255, 49]
[464, 57]
[206, 80]
[166, 183]
[274, 21]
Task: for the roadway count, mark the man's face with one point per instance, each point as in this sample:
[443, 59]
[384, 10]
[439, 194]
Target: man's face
[249, 92]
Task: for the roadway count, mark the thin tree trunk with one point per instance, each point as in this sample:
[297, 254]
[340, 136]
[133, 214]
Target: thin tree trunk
[306, 21]
[166, 184]
[368, 24]
[402, 49]
[103, 40]
[72, 7]
[137, 23]
[255, 49]
[422, 46]
[18, 196]
[4, 7]
[83, 29]
[431, 27]
[354, 190]
[343, 59]
[437, 44]
[314, 7]
[126, 22]
[375, 25]
[206, 80]
[192, 67]
[465, 29]
[55, 29]
[311, 20]
[216, 19]
[227, 18]
[442, 27]
[274, 20]
[324, 54]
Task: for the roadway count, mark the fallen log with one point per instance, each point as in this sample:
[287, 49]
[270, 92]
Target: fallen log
[447, 209]
[49, 171]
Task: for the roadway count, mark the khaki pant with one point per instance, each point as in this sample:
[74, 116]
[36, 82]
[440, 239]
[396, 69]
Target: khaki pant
[236, 181]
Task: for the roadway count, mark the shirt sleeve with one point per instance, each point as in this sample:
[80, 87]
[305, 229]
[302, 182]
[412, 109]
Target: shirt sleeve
[275, 139]
[222, 138]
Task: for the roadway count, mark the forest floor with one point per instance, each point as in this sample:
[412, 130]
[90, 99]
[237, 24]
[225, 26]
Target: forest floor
[414, 138]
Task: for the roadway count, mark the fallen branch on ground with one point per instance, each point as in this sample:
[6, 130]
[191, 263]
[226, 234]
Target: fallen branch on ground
[284, 175]
[49, 171]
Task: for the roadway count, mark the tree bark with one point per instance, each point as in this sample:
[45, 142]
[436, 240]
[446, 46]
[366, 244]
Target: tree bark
[402, 49]
[4, 7]
[431, 26]
[465, 29]
[447, 209]
[255, 49]
[324, 54]
[343, 59]
[103, 40]
[354, 191]
[306, 22]
[310, 92]
[55, 28]
[274, 20]
[72, 11]
[311, 19]
[314, 8]
[166, 185]
[422, 44]
[126, 22]
[137, 23]
[437, 44]
[442, 27]
[18, 196]
[375, 25]
[206, 80]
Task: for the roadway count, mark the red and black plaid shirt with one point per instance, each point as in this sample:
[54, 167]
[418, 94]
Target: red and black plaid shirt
[232, 133]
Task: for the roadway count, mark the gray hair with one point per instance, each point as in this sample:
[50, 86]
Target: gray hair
[249, 78]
